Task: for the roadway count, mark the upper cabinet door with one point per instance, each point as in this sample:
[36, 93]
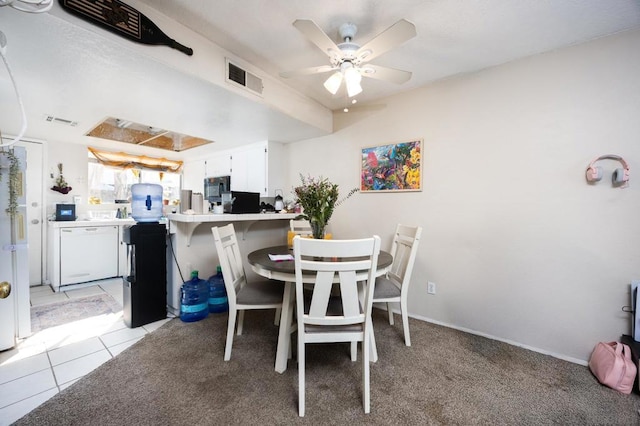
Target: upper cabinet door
[219, 165]
[249, 170]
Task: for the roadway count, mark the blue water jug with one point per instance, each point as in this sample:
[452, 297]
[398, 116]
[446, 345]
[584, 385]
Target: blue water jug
[146, 202]
[194, 304]
[217, 293]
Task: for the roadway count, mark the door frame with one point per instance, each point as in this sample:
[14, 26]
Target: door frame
[41, 200]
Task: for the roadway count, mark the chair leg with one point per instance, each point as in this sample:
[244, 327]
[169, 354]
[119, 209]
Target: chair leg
[390, 312]
[276, 320]
[405, 325]
[354, 351]
[240, 322]
[372, 346]
[301, 366]
[366, 341]
[230, 328]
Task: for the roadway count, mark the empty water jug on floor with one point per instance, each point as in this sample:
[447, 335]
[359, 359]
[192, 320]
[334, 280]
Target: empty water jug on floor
[146, 202]
[218, 301]
[194, 304]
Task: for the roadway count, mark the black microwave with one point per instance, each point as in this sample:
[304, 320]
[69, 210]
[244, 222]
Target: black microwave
[215, 186]
[65, 212]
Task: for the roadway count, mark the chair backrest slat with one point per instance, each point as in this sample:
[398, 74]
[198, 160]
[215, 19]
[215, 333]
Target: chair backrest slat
[230, 260]
[335, 262]
[350, 292]
[404, 250]
[321, 294]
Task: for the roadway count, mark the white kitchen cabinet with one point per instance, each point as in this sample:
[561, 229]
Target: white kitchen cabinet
[195, 171]
[258, 168]
[253, 168]
[193, 175]
[218, 165]
[248, 170]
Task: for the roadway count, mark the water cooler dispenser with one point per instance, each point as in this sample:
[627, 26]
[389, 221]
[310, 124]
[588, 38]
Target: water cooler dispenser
[145, 285]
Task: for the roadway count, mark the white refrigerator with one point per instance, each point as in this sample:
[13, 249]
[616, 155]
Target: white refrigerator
[15, 315]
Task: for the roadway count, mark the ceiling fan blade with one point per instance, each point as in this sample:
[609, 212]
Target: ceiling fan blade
[308, 71]
[318, 37]
[396, 34]
[386, 74]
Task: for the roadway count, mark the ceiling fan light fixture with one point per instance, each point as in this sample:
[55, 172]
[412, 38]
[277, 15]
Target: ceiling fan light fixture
[333, 83]
[353, 89]
[352, 79]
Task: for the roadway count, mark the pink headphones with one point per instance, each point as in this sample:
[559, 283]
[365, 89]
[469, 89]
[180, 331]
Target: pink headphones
[620, 176]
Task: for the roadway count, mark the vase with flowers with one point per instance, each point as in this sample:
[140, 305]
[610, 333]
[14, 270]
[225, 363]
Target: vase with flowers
[318, 197]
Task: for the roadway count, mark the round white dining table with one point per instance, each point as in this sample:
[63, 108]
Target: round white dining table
[262, 265]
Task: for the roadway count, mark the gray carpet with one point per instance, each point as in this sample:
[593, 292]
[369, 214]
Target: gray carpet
[59, 313]
[176, 376]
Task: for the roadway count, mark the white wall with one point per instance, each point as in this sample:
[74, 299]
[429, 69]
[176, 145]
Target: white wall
[74, 169]
[520, 246]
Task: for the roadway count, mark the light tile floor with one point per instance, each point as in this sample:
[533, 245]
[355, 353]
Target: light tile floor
[51, 360]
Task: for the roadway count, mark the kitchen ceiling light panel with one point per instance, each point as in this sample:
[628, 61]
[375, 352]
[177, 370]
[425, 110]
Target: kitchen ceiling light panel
[140, 134]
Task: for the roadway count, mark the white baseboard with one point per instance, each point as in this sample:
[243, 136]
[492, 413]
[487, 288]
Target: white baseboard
[488, 336]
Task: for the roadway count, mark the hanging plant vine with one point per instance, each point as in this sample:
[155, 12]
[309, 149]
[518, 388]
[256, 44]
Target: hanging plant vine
[13, 182]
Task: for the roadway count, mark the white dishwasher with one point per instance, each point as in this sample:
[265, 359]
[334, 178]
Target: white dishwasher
[88, 253]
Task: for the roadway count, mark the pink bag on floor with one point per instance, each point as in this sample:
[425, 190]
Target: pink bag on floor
[612, 365]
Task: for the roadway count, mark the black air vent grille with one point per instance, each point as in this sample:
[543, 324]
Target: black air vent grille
[237, 74]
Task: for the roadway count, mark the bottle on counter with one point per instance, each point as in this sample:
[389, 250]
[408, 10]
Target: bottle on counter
[218, 301]
[194, 303]
[146, 202]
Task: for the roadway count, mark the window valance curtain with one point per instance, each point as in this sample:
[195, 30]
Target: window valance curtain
[128, 161]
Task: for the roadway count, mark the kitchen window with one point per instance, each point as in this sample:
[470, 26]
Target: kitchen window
[109, 184]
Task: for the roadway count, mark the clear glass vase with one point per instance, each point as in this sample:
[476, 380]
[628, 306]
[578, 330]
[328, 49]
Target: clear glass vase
[317, 229]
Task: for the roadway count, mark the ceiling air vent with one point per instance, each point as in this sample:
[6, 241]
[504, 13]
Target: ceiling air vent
[249, 81]
[52, 119]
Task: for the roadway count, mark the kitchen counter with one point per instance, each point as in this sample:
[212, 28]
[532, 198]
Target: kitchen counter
[189, 222]
[192, 247]
[228, 217]
[91, 222]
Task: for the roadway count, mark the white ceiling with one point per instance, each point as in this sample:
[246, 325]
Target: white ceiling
[74, 74]
[453, 36]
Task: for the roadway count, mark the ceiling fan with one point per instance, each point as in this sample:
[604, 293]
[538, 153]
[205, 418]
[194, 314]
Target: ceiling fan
[349, 60]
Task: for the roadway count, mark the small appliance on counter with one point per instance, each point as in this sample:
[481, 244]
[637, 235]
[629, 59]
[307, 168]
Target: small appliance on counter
[197, 203]
[227, 202]
[278, 201]
[65, 212]
[185, 200]
[245, 202]
[215, 186]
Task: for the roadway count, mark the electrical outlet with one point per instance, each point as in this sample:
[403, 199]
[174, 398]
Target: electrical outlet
[431, 287]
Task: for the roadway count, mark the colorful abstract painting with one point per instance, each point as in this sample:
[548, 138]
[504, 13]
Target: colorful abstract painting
[395, 167]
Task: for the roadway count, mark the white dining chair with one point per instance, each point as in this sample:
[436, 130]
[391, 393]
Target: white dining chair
[393, 287]
[325, 316]
[242, 294]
